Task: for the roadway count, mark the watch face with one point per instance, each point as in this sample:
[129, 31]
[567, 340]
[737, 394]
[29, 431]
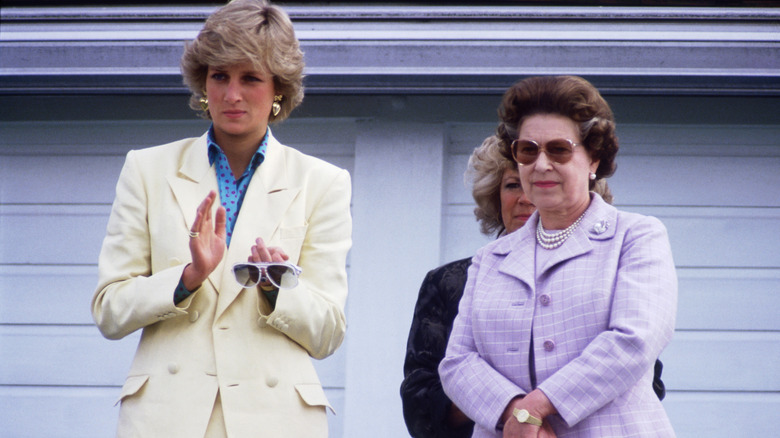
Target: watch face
[522, 415]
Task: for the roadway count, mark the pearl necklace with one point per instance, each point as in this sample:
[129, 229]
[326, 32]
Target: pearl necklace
[554, 240]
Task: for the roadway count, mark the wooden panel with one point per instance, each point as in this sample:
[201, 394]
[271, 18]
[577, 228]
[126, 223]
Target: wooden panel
[43, 411]
[726, 414]
[63, 179]
[722, 361]
[697, 181]
[721, 237]
[27, 296]
[460, 234]
[35, 355]
[52, 234]
[93, 137]
[690, 140]
[728, 299]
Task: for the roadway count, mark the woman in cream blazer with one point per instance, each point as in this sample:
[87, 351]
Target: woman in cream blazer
[223, 360]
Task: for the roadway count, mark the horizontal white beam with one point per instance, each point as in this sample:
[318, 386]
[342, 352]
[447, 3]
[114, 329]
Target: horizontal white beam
[402, 50]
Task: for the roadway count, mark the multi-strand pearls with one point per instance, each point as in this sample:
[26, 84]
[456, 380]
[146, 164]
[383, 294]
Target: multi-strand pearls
[554, 240]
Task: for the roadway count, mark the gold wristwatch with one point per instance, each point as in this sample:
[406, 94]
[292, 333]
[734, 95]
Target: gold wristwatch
[524, 417]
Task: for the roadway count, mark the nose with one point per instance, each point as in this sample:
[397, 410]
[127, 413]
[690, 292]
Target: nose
[523, 199]
[543, 162]
[233, 91]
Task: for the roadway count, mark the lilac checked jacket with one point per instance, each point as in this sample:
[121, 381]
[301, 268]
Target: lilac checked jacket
[602, 307]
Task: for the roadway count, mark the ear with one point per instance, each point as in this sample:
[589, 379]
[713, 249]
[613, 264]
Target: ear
[594, 165]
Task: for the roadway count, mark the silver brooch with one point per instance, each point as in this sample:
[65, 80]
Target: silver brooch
[600, 227]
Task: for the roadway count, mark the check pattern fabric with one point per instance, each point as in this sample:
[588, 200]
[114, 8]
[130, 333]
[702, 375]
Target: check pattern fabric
[602, 308]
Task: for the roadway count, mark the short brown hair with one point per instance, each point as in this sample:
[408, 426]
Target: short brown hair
[247, 31]
[569, 96]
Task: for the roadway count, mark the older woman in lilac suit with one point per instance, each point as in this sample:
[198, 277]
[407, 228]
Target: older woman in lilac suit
[561, 322]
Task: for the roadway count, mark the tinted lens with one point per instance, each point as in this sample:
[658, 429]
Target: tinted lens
[559, 150]
[279, 275]
[247, 275]
[524, 151]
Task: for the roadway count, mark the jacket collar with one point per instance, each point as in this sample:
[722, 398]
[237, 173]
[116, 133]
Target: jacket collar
[518, 248]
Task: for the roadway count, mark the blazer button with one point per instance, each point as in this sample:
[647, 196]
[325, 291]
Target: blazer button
[544, 299]
[549, 345]
[173, 368]
[194, 316]
[262, 322]
[272, 381]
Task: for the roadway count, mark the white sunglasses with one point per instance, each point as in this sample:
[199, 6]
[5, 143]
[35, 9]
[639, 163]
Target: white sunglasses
[281, 275]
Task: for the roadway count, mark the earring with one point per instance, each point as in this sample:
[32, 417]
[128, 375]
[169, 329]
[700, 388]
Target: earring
[275, 107]
[592, 176]
[204, 103]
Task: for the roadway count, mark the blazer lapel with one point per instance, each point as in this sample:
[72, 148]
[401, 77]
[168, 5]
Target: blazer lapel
[518, 248]
[192, 184]
[267, 198]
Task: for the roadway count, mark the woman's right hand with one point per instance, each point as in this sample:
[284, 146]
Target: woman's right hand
[207, 243]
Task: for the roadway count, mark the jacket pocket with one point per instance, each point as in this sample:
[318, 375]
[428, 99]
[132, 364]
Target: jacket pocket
[313, 395]
[132, 385]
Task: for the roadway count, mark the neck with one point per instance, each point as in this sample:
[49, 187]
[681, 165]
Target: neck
[561, 219]
[239, 150]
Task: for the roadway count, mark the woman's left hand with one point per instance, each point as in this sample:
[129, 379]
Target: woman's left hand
[264, 254]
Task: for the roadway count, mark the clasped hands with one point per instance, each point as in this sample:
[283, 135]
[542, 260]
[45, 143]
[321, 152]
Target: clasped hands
[208, 244]
[539, 406]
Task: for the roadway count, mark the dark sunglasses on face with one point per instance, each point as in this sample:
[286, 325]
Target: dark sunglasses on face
[281, 275]
[559, 150]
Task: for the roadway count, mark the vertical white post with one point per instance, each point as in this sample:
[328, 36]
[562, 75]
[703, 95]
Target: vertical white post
[397, 202]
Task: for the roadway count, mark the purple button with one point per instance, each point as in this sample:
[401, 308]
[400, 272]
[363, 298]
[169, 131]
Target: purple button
[544, 299]
[549, 345]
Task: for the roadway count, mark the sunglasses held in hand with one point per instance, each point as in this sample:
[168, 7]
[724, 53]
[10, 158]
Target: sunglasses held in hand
[281, 275]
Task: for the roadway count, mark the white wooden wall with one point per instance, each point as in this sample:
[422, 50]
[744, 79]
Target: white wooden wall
[714, 186]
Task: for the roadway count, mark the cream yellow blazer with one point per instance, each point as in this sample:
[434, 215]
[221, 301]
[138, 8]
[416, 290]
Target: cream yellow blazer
[224, 337]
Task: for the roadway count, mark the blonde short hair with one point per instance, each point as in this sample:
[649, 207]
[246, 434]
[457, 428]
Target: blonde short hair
[250, 31]
[485, 171]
